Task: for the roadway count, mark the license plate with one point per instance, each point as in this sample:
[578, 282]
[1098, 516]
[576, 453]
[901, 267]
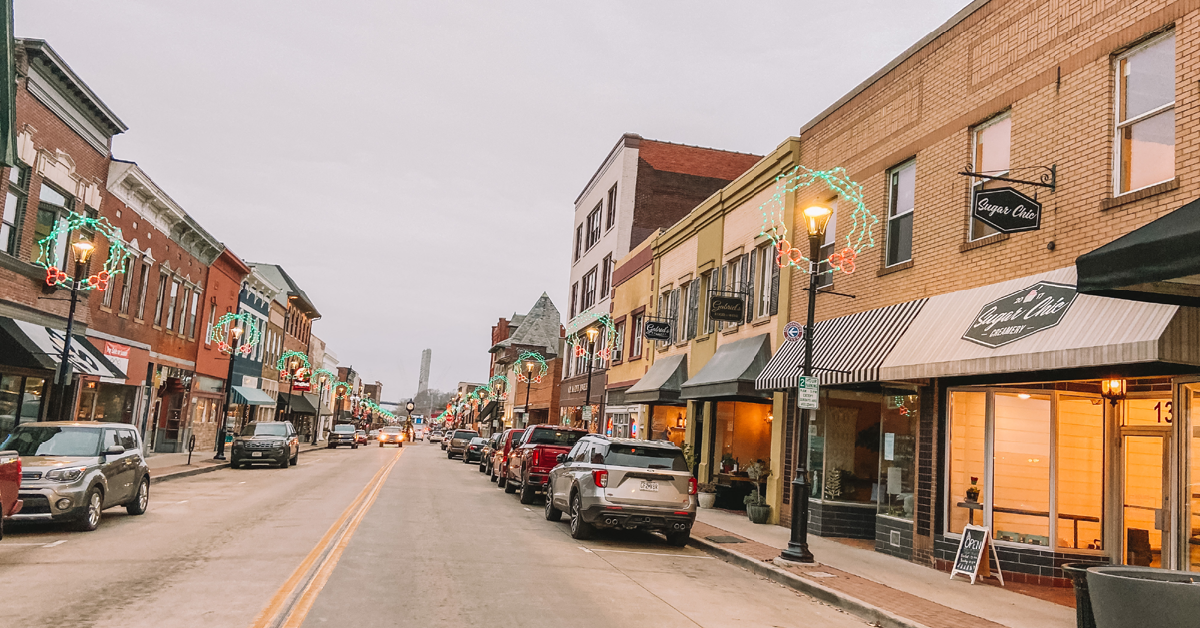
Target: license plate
[649, 486]
[258, 454]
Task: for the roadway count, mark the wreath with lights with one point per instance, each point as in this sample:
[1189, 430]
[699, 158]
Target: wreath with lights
[224, 325]
[775, 220]
[345, 389]
[577, 341]
[499, 385]
[330, 377]
[113, 265]
[530, 356]
[282, 363]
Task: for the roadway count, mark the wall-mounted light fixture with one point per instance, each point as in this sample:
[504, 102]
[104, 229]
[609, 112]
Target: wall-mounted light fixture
[1113, 390]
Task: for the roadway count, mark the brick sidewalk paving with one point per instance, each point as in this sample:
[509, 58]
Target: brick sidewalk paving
[905, 605]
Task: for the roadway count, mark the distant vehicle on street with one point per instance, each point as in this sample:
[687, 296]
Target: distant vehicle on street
[342, 434]
[391, 435]
[372, 435]
[623, 483]
[10, 486]
[489, 446]
[508, 440]
[360, 438]
[530, 463]
[72, 471]
[458, 442]
[435, 436]
[273, 442]
[474, 450]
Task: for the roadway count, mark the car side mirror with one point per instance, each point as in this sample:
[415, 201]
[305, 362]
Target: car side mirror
[561, 458]
[115, 450]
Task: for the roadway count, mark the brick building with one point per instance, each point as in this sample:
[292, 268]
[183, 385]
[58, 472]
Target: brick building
[210, 388]
[523, 400]
[296, 402]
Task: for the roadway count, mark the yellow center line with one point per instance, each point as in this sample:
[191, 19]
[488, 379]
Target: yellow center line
[270, 615]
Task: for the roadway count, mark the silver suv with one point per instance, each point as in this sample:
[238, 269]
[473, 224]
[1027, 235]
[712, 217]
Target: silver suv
[72, 471]
[623, 483]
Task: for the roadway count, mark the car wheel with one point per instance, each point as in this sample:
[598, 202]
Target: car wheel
[580, 529]
[498, 479]
[141, 500]
[296, 458]
[234, 464]
[527, 493]
[91, 511]
[381, 445]
[449, 455]
[331, 447]
[509, 487]
[679, 539]
[482, 467]
[354, 446]
[283, 464]
[552, 513]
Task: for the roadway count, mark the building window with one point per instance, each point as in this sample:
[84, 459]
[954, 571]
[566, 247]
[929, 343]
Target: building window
[668, 308]
[191, 324]
[212, 320]
[53, 208]
[1146, 115]
[574, 299]
[593, 227]
[109, 292]
[14, 205]
[126, 284]
[578, 241]
[158, 303]
[611, 217]
[606, 271]
[143, 285]
[692, 290]
[901, 201]
[768, 280]
[588, 296]
[706, 289]
[635, 339]
[618, 352]
[828, 247]
[735, 281]
[171, 304]
[993, 144]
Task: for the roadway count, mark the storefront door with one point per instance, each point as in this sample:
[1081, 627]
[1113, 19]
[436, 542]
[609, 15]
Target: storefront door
[1145, 457]
[1189, 394]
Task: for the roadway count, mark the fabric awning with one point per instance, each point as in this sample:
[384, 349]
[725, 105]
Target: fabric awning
[33, 346]
[846, 350]
[731, 371]
[661, 382]
[1158, 262]
[1094, 331]
[488, 410]
[251, 396]
[301, 404]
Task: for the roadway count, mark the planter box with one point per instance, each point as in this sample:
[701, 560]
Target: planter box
[707, 499]
[1136, 597]
[759, 514]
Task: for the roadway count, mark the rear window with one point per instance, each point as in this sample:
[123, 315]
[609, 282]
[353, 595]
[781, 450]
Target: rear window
[465, 434]
[561, 438]
[349, 429]
[478, 440]
[645, 458]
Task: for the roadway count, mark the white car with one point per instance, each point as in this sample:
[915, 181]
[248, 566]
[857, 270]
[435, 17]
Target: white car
[435, 436]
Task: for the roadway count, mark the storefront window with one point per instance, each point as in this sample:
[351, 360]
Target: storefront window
[1080, 472]
[850, 449]
[1192, 552]
[668, 423]
[742, 436]
[968, 415]
[10, 399]
[898, 458]
[1021, 468]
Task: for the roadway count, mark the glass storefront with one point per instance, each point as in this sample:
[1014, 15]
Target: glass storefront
[20, 401]
[100, 401]
[668, 423]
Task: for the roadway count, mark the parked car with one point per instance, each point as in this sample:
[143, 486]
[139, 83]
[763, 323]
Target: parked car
[393, 435]
[489, 446]
[342, 434]
[274, 442]
[531, 462]
[446, 439]
[508, 440]
[474, 450]
[10, 486]
[360, 437]
[458, 441]
[435, 437]
[624, 483]
[72, 471]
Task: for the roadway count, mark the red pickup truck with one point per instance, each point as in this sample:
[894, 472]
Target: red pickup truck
[530, 463]
[10, 485]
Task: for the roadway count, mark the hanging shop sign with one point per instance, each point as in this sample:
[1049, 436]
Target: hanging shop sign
[793, 331]
[808, 393]
[1006, 210]
[1021, 314]
[658, 330]
[732, 309]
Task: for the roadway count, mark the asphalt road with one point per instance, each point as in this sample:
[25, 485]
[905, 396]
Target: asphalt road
[374, 537]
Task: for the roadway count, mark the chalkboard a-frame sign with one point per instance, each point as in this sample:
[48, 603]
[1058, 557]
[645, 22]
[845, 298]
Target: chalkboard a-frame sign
[974, 551]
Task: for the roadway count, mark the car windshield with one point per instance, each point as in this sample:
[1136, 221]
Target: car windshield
[465, 434]
[561, 438]
[265, 429]
[54, 441]
[345, 429]
[645, 457]
[391, 430]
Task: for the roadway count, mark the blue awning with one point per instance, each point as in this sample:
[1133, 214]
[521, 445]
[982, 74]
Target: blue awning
[251, 396]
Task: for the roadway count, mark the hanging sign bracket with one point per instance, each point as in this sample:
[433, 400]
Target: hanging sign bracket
[1048, 179]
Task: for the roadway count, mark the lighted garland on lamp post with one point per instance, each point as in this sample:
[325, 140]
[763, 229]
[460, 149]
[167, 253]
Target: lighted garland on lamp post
[324, 377]
[289, 363]
[242, 328]
[532, 368]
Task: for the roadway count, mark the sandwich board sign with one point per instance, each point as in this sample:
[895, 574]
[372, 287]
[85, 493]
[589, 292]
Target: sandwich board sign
[974, 551]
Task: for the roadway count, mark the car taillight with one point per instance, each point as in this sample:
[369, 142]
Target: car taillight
[600, 477]
[691, 486]
[537, 457]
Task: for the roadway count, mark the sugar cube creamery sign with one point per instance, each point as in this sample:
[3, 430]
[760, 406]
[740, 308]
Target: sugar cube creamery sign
[658, 330]
[1007, 210]
[727, 309]
[1021, 314]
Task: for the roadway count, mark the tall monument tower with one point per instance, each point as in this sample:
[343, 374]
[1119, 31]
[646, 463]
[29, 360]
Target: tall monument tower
[423, 384]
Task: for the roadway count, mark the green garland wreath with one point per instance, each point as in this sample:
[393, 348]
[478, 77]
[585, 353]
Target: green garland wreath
[113, 265]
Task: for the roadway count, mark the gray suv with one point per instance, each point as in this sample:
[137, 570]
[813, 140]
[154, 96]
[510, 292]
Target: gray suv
[459, 442]
[72, 471]
[623, 483]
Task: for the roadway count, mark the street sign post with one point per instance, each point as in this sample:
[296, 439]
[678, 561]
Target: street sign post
[587, 414]
[808, 394]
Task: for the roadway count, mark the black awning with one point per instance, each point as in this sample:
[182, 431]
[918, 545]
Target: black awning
[1158, 263]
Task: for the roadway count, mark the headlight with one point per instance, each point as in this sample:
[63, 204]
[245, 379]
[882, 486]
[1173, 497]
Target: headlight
[70, 474]
[277, 445]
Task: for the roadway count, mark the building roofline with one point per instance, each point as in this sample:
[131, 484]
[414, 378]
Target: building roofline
[41, 47]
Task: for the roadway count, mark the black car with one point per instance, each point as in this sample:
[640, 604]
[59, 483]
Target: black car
[274, 442]
[474, 450]
[488, 447]
[342, 434]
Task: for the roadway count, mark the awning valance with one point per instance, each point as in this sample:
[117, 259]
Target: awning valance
[661, 382]
[1158, 262]
[301, 404]
[846, 350]
[33, 346]
[731, 371]
[251, 396]
[1093, 331]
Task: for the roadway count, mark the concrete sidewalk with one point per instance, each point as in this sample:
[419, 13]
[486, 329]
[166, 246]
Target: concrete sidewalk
[172, 466]
[875, 586]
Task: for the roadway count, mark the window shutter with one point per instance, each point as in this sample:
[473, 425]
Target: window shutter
[774, 289]
[693, 308]
[749, 296]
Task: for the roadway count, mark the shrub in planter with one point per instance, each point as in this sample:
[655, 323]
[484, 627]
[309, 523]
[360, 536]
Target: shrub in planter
[707, 495]
[756, 505]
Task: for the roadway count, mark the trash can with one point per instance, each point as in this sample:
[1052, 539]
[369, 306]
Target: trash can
[1133, 597]
[1077, 572]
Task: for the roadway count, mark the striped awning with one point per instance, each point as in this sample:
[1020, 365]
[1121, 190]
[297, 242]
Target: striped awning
[846, 350]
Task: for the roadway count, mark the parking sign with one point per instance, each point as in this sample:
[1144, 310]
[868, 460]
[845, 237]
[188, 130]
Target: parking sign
[808, 392]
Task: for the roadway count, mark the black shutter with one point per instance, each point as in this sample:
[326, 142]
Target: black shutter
[774, 289]
[749, 296]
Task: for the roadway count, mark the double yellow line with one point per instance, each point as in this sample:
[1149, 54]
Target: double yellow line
[291, 603]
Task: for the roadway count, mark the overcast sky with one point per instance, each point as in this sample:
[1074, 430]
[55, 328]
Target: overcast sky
[413, 165]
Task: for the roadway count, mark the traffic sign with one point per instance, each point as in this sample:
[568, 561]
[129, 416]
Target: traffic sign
[793, 331]
[808, 395]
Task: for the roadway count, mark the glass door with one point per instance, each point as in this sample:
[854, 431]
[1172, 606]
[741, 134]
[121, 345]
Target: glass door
[1190, 433]
[1145, 458]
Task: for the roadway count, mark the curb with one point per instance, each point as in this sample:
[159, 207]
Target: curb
[864, 610]
[155, 479]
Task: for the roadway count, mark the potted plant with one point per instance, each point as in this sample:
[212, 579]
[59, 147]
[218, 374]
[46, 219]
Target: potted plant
[707, 494]
[727, 463]
[973, 490]
[756, 505]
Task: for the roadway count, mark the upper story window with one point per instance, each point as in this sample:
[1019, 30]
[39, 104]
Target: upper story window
[593, 228]
[635, 339]
[14, 204]
[191, 319]
[902, 183]
[993, 145]
[668, 308]
[574, 299]
[126, 284]
[588, 290]
[692, 301]
[578, 241]
[706, 288]
[1146, 115]
[606, 271]
[611, 217]
[828, 247]
[158, 304]
[143, 288]
[618, 344]
[212, 320]
[53, 207]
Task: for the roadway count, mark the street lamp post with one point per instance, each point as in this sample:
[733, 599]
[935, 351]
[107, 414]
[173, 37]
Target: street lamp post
[529, 366]
[291, 386]
[236, 332]
[410, 406]
[816, 218]
[83, 252]
[587, 398]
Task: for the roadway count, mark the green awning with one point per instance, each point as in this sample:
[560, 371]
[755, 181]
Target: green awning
[660, 384]
[300, 404]
[731, 372]
[251, 396]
